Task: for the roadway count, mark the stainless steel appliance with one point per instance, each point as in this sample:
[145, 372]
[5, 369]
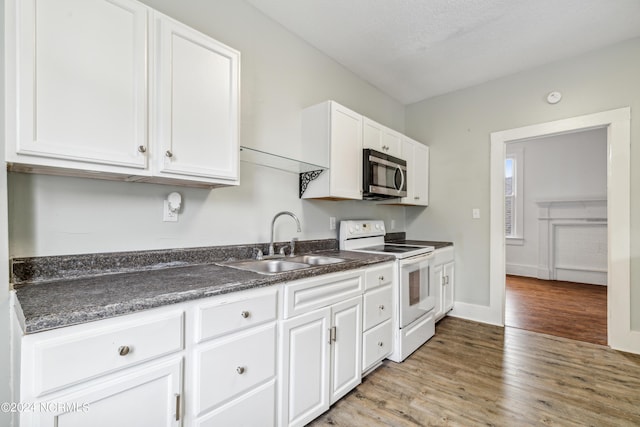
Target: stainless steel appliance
[415, 301]
[384, 176]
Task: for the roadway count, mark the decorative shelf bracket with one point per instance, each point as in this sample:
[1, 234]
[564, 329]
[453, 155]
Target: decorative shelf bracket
[306, 178]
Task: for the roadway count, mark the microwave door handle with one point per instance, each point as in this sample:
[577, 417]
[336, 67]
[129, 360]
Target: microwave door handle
[402, 176]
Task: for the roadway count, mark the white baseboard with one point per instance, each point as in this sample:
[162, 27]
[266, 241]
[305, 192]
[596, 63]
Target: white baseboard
[522, 270]
[477, 313]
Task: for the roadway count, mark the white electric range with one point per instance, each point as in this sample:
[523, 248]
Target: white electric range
[415, 302]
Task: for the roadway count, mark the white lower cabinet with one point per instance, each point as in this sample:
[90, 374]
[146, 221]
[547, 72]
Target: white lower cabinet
[377, 338]
[233, 362]
[123, 371]
[148, 396]
[442, 276]
[320, 346]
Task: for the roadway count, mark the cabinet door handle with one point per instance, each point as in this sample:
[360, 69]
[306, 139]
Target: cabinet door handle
[417, 198]
[240, 370]
[124, 350]
[380, 344]
[245, 314]
[142, 149]
[332, 334]
[381, 307]
[168, 153]
[381, 278]
[177, 407]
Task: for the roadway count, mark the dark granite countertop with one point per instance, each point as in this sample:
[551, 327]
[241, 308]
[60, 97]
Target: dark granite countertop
[436, 245]
[65, 301]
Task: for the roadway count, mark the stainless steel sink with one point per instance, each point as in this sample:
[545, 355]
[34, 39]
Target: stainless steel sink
[316, 259]
[274, 266]
[267, 266]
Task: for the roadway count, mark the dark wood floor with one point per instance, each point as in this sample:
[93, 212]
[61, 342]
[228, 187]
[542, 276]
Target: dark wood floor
[472, 374]
[565, 309]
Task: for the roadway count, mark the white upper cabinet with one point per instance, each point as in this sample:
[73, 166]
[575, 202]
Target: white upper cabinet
[417, 157]
[113, 89]
[332, 137]
[197, 88]
[81, 92]
[381, 138]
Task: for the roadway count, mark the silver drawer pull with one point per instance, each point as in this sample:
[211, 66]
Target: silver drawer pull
[124, 350]
[240, 370]
[168, 153]
[381, 278]
[245, 314]
[142, 149]
[381, 307]
[380, 344]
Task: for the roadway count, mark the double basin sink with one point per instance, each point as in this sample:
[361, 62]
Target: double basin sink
[281, 265]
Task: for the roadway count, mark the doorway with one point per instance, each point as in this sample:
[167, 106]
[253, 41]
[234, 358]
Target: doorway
[617, 124]
[556, 235]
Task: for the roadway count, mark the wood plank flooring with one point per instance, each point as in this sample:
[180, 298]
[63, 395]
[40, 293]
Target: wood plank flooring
[472, 374]
[565, 309]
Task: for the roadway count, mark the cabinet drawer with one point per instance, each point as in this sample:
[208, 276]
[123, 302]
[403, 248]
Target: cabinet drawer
[234, 313]
[309, 294]
[228, 367]
[376, 344]
[254, 409]
[378, 305]
[379, 276]
[89, 351]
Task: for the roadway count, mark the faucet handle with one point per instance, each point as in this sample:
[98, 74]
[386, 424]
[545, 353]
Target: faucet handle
[282, 250]
[258, 253]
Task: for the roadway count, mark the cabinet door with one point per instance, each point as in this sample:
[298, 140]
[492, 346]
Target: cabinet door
[448, 276]
[144, 397]
[381, 138]
[197, 91]
[346, 153]
[304, 369]
[420, 174]
[82, 83]
[436, 282]
[346, 372]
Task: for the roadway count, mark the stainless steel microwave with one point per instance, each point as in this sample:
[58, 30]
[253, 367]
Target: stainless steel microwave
[384, 176]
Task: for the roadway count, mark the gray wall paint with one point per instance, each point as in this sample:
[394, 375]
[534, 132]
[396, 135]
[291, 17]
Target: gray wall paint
[457, 126]
[281, 75]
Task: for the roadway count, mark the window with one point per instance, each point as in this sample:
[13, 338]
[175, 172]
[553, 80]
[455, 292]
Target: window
[513, 196]
[509, 196]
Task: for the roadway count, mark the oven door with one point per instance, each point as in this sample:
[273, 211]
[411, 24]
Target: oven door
[416, 293]
[384, 176]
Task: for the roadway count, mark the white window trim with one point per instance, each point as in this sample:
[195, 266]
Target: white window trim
[517, 154]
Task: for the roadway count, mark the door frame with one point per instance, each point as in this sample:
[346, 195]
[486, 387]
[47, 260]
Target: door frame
[617, 122]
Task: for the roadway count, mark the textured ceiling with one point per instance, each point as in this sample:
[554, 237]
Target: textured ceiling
[416, 49]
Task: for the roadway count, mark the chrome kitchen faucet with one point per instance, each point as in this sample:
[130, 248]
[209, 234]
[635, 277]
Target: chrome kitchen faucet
[273, 222]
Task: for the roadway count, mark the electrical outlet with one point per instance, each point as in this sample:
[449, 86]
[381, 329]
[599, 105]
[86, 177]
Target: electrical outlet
[168, 215]
[332, 223]
[393, 224]
[475, 213]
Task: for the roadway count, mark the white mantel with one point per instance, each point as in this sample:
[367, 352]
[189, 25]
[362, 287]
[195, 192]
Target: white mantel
[572, 236]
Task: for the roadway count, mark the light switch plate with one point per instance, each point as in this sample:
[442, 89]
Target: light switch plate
[332, 223]
[475, 213]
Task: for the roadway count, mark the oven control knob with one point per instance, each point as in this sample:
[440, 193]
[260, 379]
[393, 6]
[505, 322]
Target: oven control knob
[351, 230]
[377, 226]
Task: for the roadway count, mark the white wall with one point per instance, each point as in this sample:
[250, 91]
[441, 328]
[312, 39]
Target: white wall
[280, 76]
[457, 126]
[560, 167]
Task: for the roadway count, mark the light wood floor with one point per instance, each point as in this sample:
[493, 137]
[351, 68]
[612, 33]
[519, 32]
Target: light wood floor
[472, 374]
[565, 309]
